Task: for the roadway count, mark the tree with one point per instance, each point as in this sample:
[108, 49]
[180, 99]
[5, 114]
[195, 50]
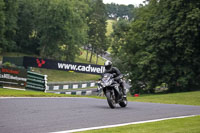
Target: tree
[120, 31]
[79, 26]
[10, 11]
[97, 28]
[26, 38]
[2, 23]
[162, 46]
[175, 40]
[61, 28]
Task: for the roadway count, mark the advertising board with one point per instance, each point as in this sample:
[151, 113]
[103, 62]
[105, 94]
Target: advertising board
[13, 77]
[62, 65]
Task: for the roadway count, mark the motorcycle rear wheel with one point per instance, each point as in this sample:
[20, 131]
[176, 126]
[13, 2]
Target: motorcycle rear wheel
[111, 99]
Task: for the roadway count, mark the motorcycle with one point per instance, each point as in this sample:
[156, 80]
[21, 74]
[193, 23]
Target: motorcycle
[112, 91]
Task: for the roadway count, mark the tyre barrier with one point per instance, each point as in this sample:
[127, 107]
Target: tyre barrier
[36, 81]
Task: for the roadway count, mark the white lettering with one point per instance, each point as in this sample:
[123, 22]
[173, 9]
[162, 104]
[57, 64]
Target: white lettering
[8, 76]
[81, 68]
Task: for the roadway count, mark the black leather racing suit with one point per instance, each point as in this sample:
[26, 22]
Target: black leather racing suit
[117, 76]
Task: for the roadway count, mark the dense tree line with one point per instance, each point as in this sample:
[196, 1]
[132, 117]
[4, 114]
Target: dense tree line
[161, 46]
[52, 28]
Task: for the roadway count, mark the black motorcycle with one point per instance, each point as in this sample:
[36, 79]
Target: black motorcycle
[112, 91]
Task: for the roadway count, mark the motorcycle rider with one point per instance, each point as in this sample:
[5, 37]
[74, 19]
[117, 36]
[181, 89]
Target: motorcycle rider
[116, 73]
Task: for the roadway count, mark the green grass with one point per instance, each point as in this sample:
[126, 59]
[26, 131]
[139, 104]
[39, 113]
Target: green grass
[186, 98]
[19, 93]
[109, 29]
[29, 93]
[184, 125]
[109, 26]
[82, 58]
[61, 76]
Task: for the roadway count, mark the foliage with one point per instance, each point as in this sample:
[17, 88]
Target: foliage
[162, 46]
[26, 39]
[7, 64]
[59, 28]
[49, 28]
[120, 30]
[9, 26]
[97, 28]
[2, 23]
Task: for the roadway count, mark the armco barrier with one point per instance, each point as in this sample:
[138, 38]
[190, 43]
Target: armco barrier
[73, 88]
[36, 81]
[67, 85]
[77, 92]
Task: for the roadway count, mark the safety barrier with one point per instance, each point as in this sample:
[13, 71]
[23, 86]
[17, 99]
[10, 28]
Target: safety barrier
[36, 81]
[77, 92]
[66, 86]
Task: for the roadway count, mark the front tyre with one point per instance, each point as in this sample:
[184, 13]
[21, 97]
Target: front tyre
[111, 99]
[124, 102]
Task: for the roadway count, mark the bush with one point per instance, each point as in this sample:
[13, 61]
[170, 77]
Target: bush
[8, 64]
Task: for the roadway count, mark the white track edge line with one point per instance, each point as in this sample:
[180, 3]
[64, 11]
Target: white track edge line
[124, 124]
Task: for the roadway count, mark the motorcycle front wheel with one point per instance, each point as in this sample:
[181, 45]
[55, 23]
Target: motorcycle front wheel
[111, 99]
[124, 102]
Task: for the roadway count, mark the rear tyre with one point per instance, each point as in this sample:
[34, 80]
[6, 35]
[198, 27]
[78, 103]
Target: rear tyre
[111, 99]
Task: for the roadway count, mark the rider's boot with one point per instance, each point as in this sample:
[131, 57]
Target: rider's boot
[123, 92]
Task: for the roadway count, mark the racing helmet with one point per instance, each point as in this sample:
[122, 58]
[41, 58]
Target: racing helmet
[108, 65]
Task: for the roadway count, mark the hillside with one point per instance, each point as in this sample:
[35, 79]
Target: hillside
[109, 28]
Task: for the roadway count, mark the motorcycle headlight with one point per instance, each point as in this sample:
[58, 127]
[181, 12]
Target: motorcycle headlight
[109, 83]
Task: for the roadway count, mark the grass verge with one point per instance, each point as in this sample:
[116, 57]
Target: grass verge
[61, 76]
[19, 93]
[183, 125]
[186, 98]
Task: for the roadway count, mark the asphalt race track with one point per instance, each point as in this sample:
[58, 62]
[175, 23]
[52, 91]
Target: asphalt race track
[42, 115]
